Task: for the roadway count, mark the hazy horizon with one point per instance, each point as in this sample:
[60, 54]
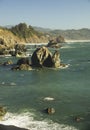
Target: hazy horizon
[55, 14]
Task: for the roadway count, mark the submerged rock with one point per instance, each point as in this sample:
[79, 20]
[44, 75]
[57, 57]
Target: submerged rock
[22, 67]
[50, 110]
[79, 119]
[9, 62]
[25, 67]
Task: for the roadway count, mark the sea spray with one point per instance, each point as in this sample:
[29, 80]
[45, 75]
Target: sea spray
[26, 120]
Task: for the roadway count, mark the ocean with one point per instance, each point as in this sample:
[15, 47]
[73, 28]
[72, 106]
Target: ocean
[26, 94]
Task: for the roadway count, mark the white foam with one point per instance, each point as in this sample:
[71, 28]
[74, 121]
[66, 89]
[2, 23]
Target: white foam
[49, 99]
[26, 120]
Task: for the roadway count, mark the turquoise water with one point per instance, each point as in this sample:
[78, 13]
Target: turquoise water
[24, 92]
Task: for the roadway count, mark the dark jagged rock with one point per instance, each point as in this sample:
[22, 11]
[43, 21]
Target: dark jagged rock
[22, 64]
[23, 61]
[16, 67]
[43, 57]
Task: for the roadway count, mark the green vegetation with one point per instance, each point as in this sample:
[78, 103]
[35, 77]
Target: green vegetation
[23, 31]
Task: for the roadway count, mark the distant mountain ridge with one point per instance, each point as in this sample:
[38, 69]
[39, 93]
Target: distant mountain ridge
[72, 34]
[69, 34]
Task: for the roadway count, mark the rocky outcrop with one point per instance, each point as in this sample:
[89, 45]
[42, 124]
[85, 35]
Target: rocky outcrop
[56, 59]
[23, 61]
[22, 67]
[20, 50]
[2, 112]
[43, 57]
[7, 38]
[56, 42]
[22, 64]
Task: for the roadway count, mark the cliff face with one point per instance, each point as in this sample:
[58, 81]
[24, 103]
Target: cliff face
[22, 33]
[28, 34]
[7, 38]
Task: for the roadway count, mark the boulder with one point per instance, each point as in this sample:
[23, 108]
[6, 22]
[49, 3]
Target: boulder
[23, 61]
[25, 67]
[9, 62]
[42, 57]
[20, 50]
[50, 110]
[2, 112]
[22, 67]
[22, 64]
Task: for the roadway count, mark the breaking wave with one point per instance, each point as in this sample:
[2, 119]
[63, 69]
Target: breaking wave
[26, 120]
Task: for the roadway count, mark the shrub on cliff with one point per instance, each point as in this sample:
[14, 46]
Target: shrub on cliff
[23, 31]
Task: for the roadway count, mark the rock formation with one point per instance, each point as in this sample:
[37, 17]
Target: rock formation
[23, 61]
[56, 42]
[43, 57]
[22, 64]
[20, 50]
[56, 59]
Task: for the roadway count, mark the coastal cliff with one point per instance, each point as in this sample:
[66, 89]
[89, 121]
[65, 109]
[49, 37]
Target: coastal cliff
[20, 33]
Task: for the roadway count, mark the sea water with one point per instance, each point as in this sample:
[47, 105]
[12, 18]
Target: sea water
[26, 94]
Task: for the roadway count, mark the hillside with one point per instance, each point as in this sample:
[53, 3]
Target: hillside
[81, 34]
[7, 38]
[21, 33]
[28, 34]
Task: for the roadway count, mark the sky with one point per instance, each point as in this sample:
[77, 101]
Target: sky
[54, 14]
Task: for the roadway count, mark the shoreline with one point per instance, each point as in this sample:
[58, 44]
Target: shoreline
[36, 43]
[10, 127]
[77, 41]
[67, 41]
